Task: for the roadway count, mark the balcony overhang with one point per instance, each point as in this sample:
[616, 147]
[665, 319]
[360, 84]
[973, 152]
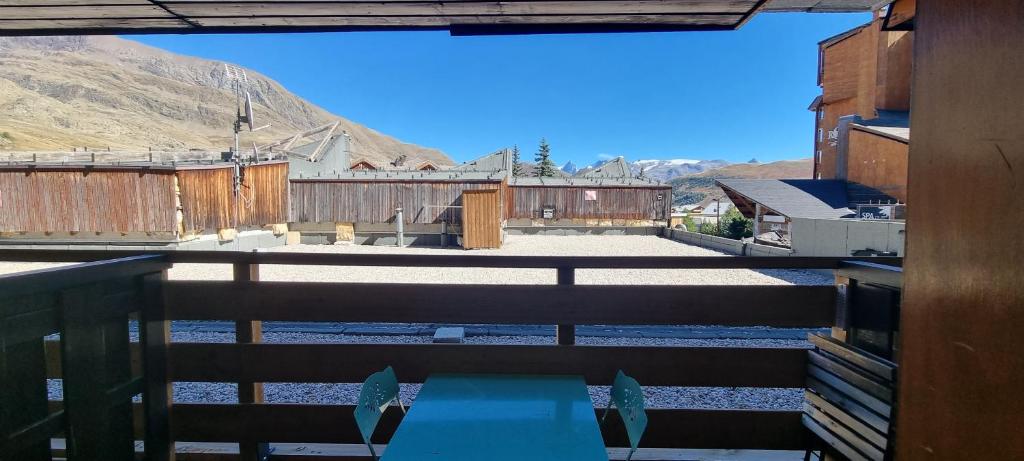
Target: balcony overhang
[460, 17]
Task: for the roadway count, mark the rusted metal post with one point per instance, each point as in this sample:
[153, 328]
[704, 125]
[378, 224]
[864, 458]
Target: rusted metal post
[566, 334]
[247, 332]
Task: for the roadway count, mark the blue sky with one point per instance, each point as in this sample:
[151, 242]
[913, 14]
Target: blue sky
[705, 95]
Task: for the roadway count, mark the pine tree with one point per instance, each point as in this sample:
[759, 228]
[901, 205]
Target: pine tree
[545, 167]
[517, 165]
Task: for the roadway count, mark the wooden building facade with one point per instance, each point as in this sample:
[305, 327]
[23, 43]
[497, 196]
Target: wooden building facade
[863, 72]
[374, 200]
[530, 199]
[137, 202]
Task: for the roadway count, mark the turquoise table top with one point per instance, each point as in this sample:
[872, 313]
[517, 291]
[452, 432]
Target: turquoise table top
[499, 417]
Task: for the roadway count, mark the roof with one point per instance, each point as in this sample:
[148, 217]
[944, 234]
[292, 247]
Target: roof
[73, 17]
[555, 181]
[890, 124]
[815, 104]
[614, 168]
[795, 198]
[715, 208]
[496, 161]
[307, 150]
[403, 175]
[841, 36]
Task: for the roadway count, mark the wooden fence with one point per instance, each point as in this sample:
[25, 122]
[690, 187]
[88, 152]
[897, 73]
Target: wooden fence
[247, 301]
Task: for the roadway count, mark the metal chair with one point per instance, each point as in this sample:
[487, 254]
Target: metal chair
[377, 393]
[627, 396]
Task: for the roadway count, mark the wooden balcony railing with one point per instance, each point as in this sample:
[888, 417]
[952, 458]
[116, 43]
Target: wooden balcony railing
[79, 303]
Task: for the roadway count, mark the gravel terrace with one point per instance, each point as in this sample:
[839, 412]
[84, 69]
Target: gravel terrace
[659, 397]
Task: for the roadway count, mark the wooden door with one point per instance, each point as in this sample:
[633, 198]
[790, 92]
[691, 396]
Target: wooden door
[481, 219]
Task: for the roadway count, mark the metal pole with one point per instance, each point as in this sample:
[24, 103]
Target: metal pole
[399, 228]
[444, 234]
[718, 215]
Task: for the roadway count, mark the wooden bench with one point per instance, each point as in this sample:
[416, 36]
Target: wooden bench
[849, 400]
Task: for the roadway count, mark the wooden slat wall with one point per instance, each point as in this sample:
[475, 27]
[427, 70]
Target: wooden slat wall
[86, 201]
[208, 202]
[206, 198]
[265, 192]
[481, 219]
[961, 319]
[375, 201]
[611, 203]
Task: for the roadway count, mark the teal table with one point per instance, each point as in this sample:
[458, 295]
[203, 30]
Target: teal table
[499, 417]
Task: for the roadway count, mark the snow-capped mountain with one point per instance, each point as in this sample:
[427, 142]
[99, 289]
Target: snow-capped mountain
[570, 167]
[664, 170]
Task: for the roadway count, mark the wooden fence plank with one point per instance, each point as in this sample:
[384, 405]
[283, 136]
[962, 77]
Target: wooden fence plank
[828, 363]
[779, 306]
[876, 365]
[351, 363]
[667, 428]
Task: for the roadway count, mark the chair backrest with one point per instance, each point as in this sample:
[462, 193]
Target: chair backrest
[628, 398]
[849, 399]
[379, 390]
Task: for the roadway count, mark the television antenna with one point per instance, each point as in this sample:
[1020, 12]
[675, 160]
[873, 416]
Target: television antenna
[243, 103]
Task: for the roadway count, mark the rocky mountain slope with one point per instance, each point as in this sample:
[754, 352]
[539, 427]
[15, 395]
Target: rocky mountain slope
[665, 170]
[62, 92]
[694, 188]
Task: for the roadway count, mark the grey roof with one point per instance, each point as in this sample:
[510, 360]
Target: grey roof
[497, 161]
[815, 104]
[404, 175]
[841, 36]
[584, 182]
[891, 124]
[795, 198]
[614, 168]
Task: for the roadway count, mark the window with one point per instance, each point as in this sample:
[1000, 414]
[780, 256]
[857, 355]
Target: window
[821, 134]
[821, 114]
[817, 157]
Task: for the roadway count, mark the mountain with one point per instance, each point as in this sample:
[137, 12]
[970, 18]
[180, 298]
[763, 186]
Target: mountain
[692, 189]
[569, 168]
[665, 170]
[62, 92]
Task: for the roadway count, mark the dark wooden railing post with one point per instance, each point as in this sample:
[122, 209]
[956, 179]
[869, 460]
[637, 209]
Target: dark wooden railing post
[22, 396]
[247, 332]
[96, 365]
[154, 337]
[566, 334]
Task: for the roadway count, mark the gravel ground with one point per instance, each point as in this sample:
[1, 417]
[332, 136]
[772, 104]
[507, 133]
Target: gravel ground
[657, 397]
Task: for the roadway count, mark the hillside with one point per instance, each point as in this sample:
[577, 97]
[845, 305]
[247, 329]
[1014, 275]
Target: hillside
[692, 189]
[62, 92]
